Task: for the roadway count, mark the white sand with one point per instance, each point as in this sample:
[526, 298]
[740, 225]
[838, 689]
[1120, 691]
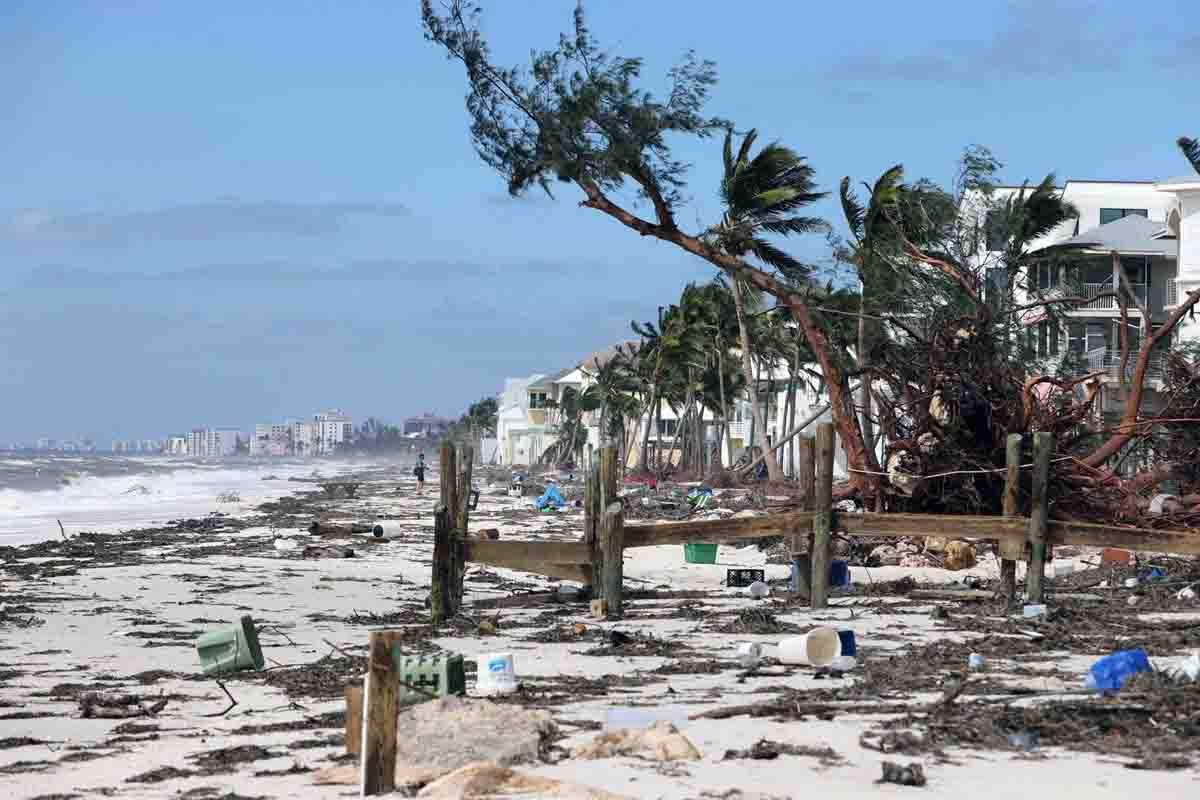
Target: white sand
[99, 608]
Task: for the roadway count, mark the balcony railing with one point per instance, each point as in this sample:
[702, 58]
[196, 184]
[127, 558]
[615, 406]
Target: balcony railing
[1102, 296]
[1172, 293]
[1109, 362]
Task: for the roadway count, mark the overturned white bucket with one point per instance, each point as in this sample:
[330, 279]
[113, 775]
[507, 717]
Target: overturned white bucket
[386, 529]
[817, 648]
[495, 675]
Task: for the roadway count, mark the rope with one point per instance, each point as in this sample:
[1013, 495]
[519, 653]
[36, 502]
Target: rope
[962, 471]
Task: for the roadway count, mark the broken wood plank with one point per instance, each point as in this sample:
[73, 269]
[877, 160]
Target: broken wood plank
[486, 551]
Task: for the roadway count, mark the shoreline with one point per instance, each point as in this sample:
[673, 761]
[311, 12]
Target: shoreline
[119, 613]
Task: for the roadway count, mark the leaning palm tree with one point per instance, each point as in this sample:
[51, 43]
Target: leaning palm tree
[761, 196]
[870, 230]
[1191, 151]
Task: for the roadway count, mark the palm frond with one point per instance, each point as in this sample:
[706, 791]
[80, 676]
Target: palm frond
[852, 209]
[1191, 151]
[768, 253]
[789, 225]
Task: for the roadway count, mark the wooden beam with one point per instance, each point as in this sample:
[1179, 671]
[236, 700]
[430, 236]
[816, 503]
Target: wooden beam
[1043, 448]
[1182, 543]
[354, 719]
[920, 526]
[381, 704]
[612, 544]
[486, 551]
[1009, 554]
[823, 518]
[714, 530]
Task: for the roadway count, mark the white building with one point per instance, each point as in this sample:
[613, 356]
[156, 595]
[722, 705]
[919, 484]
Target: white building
[1154, 229]
[176, 446]
[333, 428]
[213, 442]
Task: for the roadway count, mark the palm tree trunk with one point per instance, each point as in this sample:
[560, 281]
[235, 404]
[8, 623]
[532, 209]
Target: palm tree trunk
[864, 391]
[724, 405]
[650, 420]
[773, 471]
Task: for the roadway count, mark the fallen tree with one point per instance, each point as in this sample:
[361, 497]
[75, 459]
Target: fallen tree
[945, 362]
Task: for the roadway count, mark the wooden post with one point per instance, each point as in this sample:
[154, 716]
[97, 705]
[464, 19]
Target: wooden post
[446, 589]
[823, 521]
[805, 478]
[608, 475]
[1043, 448]
[1012, 507]
[604, 492]
[612, 545]
[591, 527]
[381, 704]
[354, 720]
[466, 457]
[448, 479]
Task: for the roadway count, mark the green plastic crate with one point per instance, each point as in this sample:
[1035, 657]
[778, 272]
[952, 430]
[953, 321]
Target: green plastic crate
[700, 553]
[440, 675]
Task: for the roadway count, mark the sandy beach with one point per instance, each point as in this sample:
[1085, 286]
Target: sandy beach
[120, 613]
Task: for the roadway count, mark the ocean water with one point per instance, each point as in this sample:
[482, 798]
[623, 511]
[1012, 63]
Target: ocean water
[105, 494]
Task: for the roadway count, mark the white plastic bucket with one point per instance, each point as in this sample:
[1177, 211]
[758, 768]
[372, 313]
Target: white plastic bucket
[495, 675]
[817, 648]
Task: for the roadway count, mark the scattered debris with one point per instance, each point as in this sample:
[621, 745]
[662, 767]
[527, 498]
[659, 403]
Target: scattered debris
[95, 705]
[911, 775]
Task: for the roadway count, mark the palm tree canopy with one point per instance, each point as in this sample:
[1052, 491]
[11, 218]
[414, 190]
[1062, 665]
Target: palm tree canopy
[761, 196]
[1191, 151]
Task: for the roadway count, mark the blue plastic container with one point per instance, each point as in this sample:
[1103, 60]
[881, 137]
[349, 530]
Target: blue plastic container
[839, 574]
[849, 646]
[1109, 674]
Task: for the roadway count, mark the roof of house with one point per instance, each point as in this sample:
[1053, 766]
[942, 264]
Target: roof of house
[602, 357]
[1180, 180]
[1130, 234]
[546, 381]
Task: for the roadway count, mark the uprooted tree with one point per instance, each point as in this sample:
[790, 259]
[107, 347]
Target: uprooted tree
[943, 353]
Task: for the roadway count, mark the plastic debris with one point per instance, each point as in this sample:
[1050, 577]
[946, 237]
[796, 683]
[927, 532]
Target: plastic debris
[759, 590]
[975, 661]
[1033, 610]
[1109, 674]
[1186, 593]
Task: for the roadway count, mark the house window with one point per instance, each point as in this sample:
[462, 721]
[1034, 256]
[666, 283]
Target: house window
[538, 400]
[1043, 339]
[667, 427]
[1108, 215]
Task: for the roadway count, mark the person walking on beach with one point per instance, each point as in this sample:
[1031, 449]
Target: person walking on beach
[419, 471]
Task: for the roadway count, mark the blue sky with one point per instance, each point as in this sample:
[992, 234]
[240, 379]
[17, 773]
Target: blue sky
[224, 213]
